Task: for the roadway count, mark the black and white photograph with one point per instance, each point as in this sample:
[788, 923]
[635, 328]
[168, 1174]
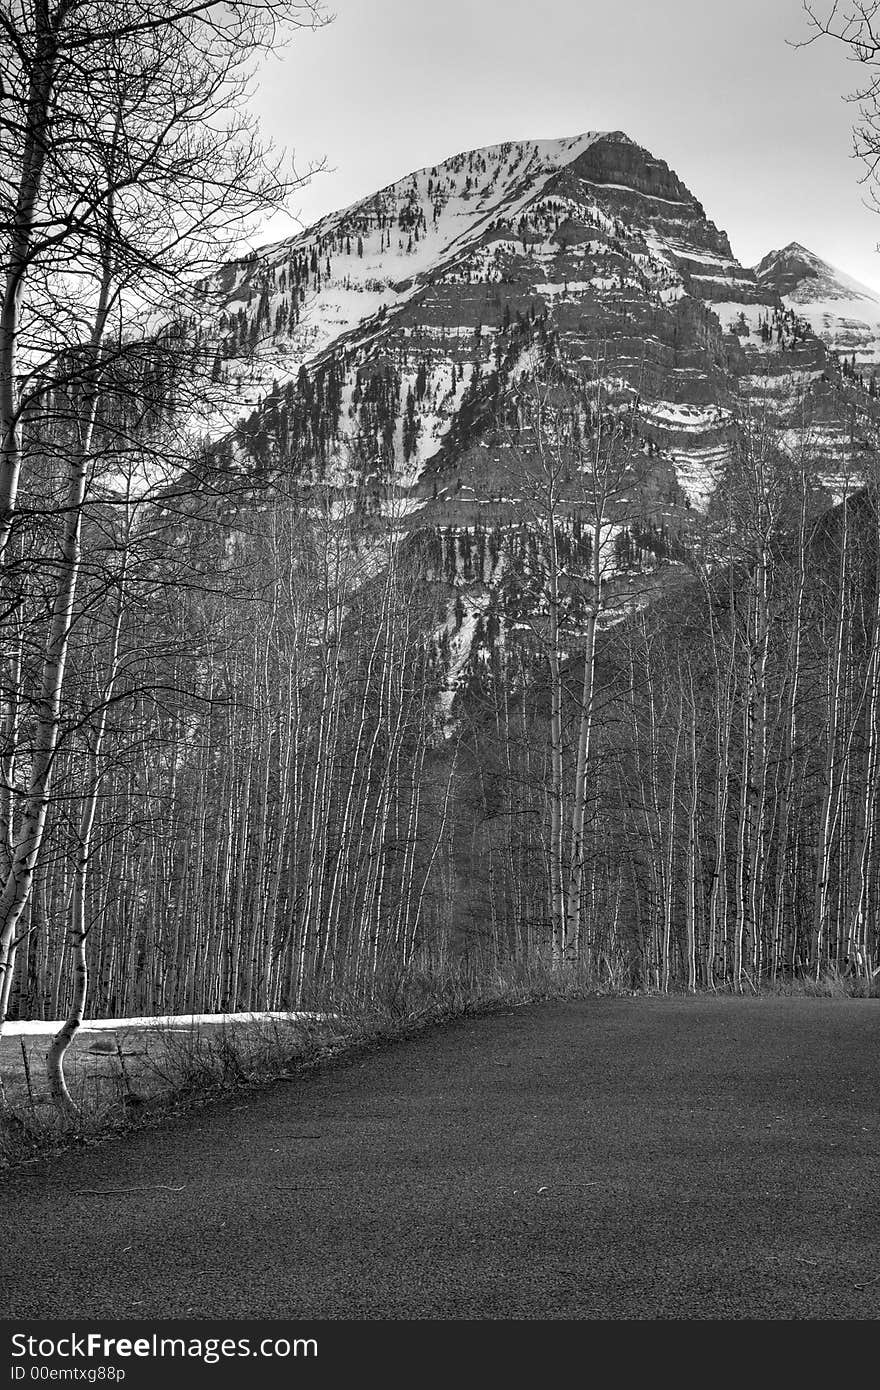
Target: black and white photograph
[439, 680]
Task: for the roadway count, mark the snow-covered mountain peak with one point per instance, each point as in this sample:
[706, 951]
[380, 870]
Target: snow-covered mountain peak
[354, 268]
[842, 311]
[357, 265]
[382, 341]
[462, 178]
[458, 197]
[795, 250]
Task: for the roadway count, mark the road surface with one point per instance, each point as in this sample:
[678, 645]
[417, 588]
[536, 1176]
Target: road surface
[607, 1158]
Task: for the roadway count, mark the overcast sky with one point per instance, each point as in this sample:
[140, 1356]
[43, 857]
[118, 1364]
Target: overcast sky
[757, 129]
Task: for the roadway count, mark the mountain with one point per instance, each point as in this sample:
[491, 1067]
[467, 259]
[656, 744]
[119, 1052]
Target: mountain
[377, 343]
[842, 312]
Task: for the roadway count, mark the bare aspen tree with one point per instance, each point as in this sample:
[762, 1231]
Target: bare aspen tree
[858, 941]
[79, 926]
[831, 767]
[128, 164]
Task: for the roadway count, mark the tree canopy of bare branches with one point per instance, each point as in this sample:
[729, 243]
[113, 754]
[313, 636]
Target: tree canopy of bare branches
[856, 26]
[129, 166]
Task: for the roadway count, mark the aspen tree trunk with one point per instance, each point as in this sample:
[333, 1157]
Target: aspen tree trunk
[742, 840]
[28, 839]
[669, 877]
[323, 768]
[829, 777]
[758, 724]
[647, 783]
[36, 145]
[19, 862]
[850, 702]
[858, 943]
[585, 730]
[792, 690]
[431, 859]
[717, 909]
[557, 899]
[9, 733]
[79, 926]
[692, 855]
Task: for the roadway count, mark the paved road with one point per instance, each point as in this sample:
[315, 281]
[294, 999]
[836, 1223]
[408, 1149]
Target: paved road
[600, 1159]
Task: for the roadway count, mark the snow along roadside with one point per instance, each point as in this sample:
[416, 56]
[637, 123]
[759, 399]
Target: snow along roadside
[176, 1021]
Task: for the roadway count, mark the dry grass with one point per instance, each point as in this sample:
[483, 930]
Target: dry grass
[130, 1077]
[831, 984]
[115, 1077]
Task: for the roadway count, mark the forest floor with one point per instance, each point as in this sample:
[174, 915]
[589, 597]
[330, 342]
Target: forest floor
[591, 1159]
